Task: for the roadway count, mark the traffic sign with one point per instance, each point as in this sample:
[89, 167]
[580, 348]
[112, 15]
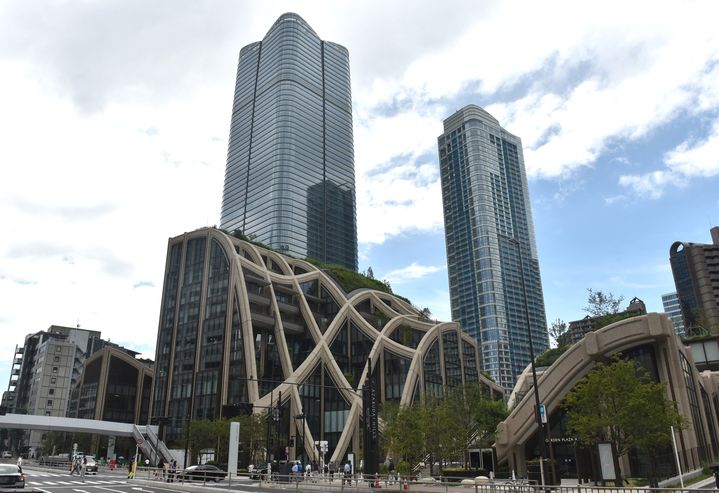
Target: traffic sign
[140, 441]
[543, 413]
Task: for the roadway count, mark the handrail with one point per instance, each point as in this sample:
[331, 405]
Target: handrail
[158, 444]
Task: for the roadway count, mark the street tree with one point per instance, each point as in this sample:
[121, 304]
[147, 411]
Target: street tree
[619, 403]
[403, 433]
[441, 429]
[253, 430]
[600, 303]
[472, 417]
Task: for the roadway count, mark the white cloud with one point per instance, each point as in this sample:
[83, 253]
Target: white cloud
[115, 116]
[397, 191]
[696, 159]
[614, 199]
[412, 271]
[690, 159]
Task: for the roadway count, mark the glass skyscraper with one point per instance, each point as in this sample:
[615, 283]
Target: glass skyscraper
[696, 277]
[673, 310]
[290, 181]
[494, 282]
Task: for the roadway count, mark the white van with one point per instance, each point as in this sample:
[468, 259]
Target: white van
[7, 454]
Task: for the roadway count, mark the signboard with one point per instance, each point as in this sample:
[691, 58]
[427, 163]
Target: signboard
[140, 441]
[234, 446]
[606, 459]
[370, 408]
[543, 414]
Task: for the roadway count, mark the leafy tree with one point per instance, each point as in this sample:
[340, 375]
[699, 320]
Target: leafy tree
[618, 403]
[600, 303]
[425, 314]
[403, 433]
[471, 417]
[369, 272]
[701, 324]
[557, 329]
[253, 432]
[441, 429]
[52, 443]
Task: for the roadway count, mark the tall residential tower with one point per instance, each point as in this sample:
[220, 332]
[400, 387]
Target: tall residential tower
[494, 282]
[696, 275]
[290, 181]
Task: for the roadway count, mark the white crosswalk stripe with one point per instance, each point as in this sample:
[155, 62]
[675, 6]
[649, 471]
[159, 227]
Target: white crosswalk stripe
[77, 482]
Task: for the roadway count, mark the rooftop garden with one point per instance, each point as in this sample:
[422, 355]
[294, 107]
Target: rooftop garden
[348, 279]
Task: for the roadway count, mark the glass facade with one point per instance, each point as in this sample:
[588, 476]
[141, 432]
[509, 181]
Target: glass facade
[673, 310]
[696, 278]
[289, 181]
[693, 399]
[494, 280]
[240, 324]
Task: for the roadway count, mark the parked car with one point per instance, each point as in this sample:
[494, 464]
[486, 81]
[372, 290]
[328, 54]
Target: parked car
[202, 472]
[11, 476]
[7, 454]
[91, 466]
[261, 473]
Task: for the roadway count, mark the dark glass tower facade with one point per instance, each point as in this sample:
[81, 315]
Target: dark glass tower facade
[290, 181]
[494, 282]
[696, 275]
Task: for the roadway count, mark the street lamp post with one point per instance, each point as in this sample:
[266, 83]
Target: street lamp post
[301, 444]
[537, 402]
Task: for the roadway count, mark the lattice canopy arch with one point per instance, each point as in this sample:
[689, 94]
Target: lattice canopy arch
[243, 324]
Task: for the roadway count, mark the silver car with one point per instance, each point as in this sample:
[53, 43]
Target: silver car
[11, 476]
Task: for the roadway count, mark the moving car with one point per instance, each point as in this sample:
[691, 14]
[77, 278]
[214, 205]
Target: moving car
[202, 472]
[91, 466]
[11, 476]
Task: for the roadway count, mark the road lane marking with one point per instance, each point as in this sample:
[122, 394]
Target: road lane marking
[80, 491]
[109, 489]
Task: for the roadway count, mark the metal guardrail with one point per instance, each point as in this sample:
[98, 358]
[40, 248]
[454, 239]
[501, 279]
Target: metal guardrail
[322, 482]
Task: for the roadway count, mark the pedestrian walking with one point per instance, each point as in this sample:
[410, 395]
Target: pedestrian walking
[75, 467]
[390, 471]
[83, 468]
[130, 469]
[19, 461]
[333, 470]
[348, 473]
[315, 470]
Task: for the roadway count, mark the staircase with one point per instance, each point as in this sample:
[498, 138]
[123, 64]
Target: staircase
[152, 447]
[158, 445]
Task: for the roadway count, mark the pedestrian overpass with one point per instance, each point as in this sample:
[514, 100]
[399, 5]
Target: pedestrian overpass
[145, 435]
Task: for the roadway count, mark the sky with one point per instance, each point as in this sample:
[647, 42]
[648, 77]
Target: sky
[114, 120]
